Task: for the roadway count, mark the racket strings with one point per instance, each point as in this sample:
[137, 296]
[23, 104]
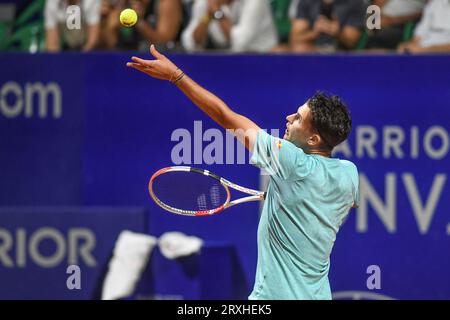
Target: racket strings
[201, 202]
[215, 195]
[189, 191]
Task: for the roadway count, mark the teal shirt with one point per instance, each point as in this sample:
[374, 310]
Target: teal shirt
[308, 198]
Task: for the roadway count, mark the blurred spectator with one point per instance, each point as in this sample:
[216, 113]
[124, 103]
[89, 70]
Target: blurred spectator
[284, 12]
[432, 34]
[327, 25]
[240, 25]
[395, 16]
[282, 18]
[59, 36]
[160, 23]
[109, 24]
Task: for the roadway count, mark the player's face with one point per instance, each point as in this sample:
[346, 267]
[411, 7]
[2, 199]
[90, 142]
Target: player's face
[299, 128]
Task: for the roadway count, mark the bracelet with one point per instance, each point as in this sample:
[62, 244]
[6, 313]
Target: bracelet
[181, 76]
[171, 77]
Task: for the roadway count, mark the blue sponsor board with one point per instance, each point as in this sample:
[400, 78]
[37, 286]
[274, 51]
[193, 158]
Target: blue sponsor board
[37, 246]
[111, 128]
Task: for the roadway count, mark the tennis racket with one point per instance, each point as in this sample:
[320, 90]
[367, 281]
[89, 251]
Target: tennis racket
[195, 192]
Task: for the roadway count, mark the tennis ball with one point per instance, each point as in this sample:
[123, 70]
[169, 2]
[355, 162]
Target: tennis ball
[128, 17]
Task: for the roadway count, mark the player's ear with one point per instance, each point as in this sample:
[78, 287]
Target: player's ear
[313, 140]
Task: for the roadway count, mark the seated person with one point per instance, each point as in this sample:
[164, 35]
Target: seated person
[58, 34]
[327, 25]
[159, 22]
[395, 14]
[284, 12]
[109, 24]
[238, 25]
[432, 34]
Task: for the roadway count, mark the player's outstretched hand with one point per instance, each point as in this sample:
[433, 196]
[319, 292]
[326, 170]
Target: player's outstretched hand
[159, 68]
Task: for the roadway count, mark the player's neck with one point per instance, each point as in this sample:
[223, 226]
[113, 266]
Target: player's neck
[320, 153]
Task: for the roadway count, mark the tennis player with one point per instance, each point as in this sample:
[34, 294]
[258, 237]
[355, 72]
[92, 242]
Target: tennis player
[309, 193]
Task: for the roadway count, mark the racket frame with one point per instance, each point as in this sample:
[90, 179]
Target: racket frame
[255, 195]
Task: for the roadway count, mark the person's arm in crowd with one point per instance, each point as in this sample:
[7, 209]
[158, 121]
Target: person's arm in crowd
[224, 22]
[93, 36]
[349, 37]
[109, 27]
[301, 32]
[110, 37]
[438, 48]
[92, 16]
[52, 40]
[169, 21]
[421, 31]
[410, 46]
[414, 47]
[201, 31]
[189, 39]
[225, 25]
[51, 26]
[350, 32]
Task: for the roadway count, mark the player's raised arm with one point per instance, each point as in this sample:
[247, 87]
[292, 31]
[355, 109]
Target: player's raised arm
[162, 68]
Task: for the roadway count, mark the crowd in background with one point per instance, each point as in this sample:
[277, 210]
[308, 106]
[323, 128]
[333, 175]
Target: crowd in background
[263, 26]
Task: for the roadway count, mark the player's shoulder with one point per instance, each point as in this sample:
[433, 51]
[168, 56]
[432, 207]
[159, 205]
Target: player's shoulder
[348, 165]
[346, 162]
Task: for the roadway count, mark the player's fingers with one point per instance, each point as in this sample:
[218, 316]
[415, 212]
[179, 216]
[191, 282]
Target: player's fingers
[137, 60]
[155, 53]
[146, 70]
[138, 66]
[147, 63]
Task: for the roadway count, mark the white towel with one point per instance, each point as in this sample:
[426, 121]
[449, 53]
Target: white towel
[176, 244]
[131, 254]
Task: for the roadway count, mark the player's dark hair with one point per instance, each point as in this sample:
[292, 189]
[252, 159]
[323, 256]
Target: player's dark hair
[331, 118]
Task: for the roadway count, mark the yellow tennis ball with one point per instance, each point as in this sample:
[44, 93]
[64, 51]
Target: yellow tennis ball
[128, 17]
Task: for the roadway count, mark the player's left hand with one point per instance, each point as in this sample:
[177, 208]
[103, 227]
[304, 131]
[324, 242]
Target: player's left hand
[160, 68]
